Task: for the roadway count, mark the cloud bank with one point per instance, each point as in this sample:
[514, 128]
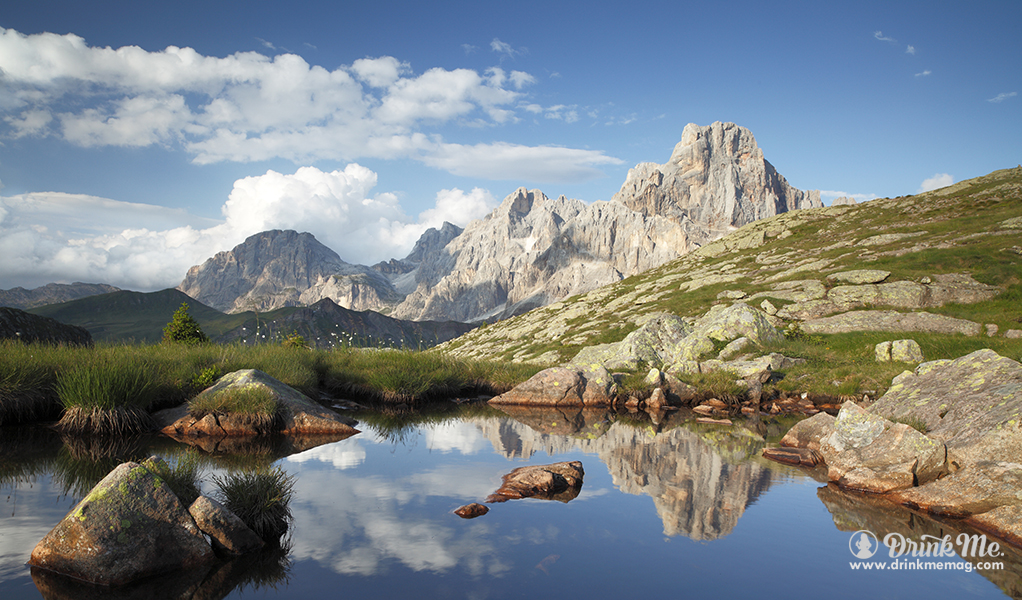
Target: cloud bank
[145, 247]
[935, 183]
[249, 107]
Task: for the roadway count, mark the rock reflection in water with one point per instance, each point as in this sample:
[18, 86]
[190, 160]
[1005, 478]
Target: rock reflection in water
[268, 568]
[855, 512]
[701, 478]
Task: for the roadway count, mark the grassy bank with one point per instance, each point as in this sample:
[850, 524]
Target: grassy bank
[39, 382]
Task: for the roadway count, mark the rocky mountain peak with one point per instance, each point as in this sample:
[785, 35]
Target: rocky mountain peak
[716, 176]
[278, 268]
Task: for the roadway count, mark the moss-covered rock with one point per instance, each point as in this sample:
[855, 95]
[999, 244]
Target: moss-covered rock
[130, 526]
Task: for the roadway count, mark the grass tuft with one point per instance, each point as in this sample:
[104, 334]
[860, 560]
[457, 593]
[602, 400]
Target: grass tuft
[255, 405]
[260, 498]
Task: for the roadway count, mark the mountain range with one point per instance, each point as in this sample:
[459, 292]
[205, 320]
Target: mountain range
[530, 251]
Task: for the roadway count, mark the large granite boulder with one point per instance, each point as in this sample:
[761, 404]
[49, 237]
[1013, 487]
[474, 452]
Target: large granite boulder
[652, 344]
[591, 385]
[130, 526]
[867, 452]
[669, 340]
[298, 414]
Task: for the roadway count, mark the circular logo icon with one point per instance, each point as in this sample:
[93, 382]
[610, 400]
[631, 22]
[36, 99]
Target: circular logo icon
[863, 544]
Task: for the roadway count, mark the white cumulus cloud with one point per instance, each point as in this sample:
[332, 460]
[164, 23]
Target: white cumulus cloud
[54, 237]
[250, 107]
[936, 182]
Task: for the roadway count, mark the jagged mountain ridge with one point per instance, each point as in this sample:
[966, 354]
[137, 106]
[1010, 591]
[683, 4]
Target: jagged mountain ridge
[51, 293]
[530, 251]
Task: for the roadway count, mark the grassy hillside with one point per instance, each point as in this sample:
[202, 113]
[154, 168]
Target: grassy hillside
[973, 227]
[140, 317]
[137, 316]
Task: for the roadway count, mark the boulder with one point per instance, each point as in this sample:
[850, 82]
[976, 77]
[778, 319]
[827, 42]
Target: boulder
[657, 400]
[228, 534]
[869, 453]
[130, 526]
[677, 391]
[907, 351]
[734, 348]
[650, 344]
[725, 324]
[808, 433]
[883, 352]
[298, 414]
[860, 276]
[890, 320]
[559, 481]
[973, 404]
[591, 385]
[471, 511]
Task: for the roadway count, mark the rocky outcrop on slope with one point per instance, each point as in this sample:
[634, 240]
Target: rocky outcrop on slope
[19, 325]
[967, 463]
[277, 268]
[52, 293]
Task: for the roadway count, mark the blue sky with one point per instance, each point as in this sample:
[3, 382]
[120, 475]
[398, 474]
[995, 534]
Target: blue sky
[138, 138]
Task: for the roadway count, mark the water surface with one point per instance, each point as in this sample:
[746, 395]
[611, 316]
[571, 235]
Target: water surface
[668, 508]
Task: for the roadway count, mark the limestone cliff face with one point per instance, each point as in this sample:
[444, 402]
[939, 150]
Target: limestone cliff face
[533, 250]
[717, 177]
[277, 268]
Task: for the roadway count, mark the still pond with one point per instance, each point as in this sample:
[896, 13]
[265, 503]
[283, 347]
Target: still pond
[669, 508]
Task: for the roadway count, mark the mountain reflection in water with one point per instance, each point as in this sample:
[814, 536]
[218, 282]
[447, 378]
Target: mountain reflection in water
[663, 497]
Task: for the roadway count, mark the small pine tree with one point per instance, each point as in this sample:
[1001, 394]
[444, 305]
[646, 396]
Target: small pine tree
[183, 329]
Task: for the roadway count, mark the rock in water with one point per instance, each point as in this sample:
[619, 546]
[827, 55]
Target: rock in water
[130, 526]
[471, 511]
[228, 533]
[559, 481]
[298, 413]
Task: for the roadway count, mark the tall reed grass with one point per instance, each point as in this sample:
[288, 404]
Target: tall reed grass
[107, 393]
[113, 389]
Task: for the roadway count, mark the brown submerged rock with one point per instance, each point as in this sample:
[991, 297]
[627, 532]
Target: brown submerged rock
[471, 511]
[559, 481]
